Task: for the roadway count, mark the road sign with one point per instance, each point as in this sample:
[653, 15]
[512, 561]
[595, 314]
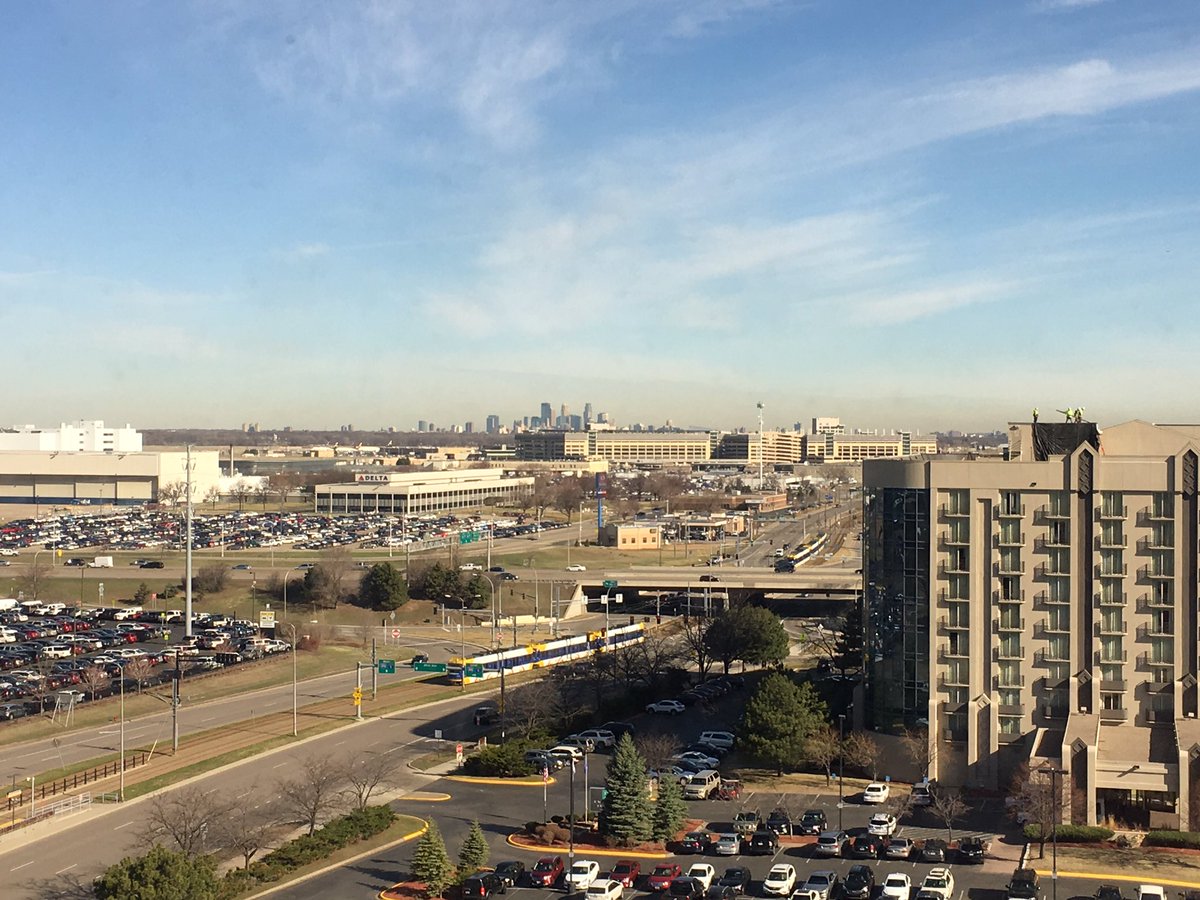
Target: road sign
[387, 667]
[266, 618]
[429, 667]
[468, 537]
[458, 752]
[473, 671]
[396, 633]
[610, 583]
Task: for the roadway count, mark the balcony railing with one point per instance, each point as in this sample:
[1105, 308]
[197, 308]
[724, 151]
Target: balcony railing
[1045, 598]
[948, 624]
[1154, 630]
[1010, 510]
[1112, 512]
[1149, 661]
[1009, 568]
[1151, 602]
[1049, 656]
[1017, 709]
[1109, 658]
[950, 540]
[952, 511]
[1010, 540]
[1049, 514]
[1111, 571]
[1045, 570]
[1147, 544]
[951, 681]
[1001, 597]
[1155, 573]
[947, 652]
[1051, 542]
[953, 568]
[1014, 681]
[1113, 687]
[1005, 654]
[1113, 715]
[1045, 627]
[1111, 629]
[1111, 542]
[1000, 623]
[1150, 516]
[1116, 598]
[944, 597]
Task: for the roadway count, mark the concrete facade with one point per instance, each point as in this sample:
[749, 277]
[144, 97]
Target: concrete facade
[101, 479]
[418, 493]
[1043, 609]
[79, 437]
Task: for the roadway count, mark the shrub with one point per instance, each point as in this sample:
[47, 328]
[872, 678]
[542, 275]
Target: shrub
[1186, 839]
[1072, 834]
[499, 761]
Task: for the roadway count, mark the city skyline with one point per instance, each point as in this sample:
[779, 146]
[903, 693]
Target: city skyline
[913, 216]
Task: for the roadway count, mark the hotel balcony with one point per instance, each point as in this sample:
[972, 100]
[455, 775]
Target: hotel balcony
[1005, 511]
[1121, 571]
[1017, 540]
[1155, 573]
[1151, 516]
[950, 511]
[1000, 623]
[1112, 629]
[1045, 514]
[1111, 513]
[1112, 542]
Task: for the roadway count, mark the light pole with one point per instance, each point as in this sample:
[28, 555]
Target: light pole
[462, 633]
[295, 708]
[32, 779]
[1054, 773]
[121, 789]
[286, 575]
[841, 766]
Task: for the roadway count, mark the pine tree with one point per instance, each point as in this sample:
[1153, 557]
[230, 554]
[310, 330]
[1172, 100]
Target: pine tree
[779, 719]
[430, 862]
[474, 853]
[626, 811]
[669, 809]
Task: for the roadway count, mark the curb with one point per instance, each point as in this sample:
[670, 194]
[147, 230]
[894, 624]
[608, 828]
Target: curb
[1130, 879]
[329, 868]
[424, 797]
[507, 782]
[620, 854]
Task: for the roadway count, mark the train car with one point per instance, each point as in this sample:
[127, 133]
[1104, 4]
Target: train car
[549, 653]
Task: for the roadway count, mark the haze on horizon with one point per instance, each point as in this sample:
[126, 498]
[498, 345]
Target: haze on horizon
[910, 215]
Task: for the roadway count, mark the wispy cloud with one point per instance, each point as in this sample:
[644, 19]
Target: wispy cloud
[907, 306]
[1055, 5]
[700, 15]
[306, 251]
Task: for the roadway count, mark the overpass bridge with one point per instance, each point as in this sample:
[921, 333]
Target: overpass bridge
[823, 583]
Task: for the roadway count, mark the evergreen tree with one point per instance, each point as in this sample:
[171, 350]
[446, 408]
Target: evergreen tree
[430, 862]
[779, 719]
[474, 853]
[160, 874]
[383, 587]
[625, 814]
[669, 809]
[749, 633]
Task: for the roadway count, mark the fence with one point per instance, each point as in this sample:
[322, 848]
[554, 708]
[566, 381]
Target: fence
[79, 779]
[64, 807]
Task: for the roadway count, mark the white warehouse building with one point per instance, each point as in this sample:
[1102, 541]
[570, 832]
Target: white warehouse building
[80, 437]
[414, 493]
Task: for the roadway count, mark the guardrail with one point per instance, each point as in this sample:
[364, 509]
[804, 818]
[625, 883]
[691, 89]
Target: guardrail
[87, 776]
[65, 807]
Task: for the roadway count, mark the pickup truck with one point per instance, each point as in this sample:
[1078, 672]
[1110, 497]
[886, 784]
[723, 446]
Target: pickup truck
[747, 821]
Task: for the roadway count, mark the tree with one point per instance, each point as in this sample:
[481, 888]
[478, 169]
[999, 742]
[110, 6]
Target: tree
[240, 491]
[313, 793]
[823, 748]
[210, 579]
[187, 817]
[568, 494]
[138, 670]
[917, 748]
[473, 855]
[170, 494]
[367, 774]
[263, 492]
[160, 874]
[430, 861]
[625, 814]
[535, 706]
[383, 587]
[1031, 796]
[949, 807]
[36, 573]
[670, 811]
[778, 720]
[213, 496]
[94, 680]
[142, 595]
[862, 751]
[246, 829]
[657, 748]
[473, 592]
[693, 634]
[436, 583]
[749, 633]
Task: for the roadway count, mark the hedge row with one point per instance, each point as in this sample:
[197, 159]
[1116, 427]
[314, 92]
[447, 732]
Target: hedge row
[330, 837]
[1185, 839]
[1071, 834]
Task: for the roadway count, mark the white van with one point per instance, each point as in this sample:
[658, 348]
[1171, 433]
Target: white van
[702, 785]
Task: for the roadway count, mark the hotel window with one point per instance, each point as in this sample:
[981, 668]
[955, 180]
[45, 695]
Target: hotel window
[1010, 531]
[1161, 592]
[1010, 503]
[1059, 562]
[1058, 647]
[1110, 619]
[1110, 673]
[1009, 697]
[1010, 725]
[1112, 503]
[1110, 701]
[958, 589]
[1058, 618]
[1058, 672]
[1060, 503]
[1010, 559]
[1060, 590]
[1111, 650]
[1110, 591]
[1110, 534]
[1010, 646]
[1160, 505]
[1010, 587]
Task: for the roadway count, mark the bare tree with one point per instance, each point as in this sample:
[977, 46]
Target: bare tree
[824, 748]
[138, 670]
[263, 492]
[1031, 797]
[240, 491]
[367, 775]
[246, 829]
[187, 817]
[213, 496]
[656, 749]
[533, 706]
[94, 680]
[314, 792]
[35, 575]
[172, 493]
[694, 630]
[336, 563]
[917, 748]
[862, 751]
[948, 805]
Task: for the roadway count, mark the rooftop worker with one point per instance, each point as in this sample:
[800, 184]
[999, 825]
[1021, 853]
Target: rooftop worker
[1035, 415]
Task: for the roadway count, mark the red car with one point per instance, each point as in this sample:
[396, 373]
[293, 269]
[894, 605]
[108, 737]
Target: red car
[662, 876]
[625, 871]
[547, 871]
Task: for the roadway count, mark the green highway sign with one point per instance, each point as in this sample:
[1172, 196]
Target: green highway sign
[610, 583]
[468, 537]
[473, 671]
[429, 667]
[387, 667]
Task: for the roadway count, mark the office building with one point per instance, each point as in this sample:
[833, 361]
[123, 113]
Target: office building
[837, 448]
[827, 425]
[1042, 609]
[616, 446]
[416, 493]
[493, 424]
[547, 416]
[782, 447]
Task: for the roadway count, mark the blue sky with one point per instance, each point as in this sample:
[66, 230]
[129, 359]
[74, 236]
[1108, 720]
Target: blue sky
[909, 214]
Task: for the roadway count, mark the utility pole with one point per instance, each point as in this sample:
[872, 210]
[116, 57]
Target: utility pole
[841, 767]
[374, 670]
[295, 708]
[187, 575]
[760, 447]
[175, 676]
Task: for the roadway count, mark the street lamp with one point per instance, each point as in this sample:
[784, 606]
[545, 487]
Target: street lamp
[295, 710]
[121, 789]
[1054, 772]
[32, 779]
[841, 766]
[286, 575]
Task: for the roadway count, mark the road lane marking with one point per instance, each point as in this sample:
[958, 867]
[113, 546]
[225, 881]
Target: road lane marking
[126, 825]
[67, 869]
[281, 765]
[21, 866]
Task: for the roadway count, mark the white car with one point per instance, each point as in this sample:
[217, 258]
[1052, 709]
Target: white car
[608, 889]
[875, 792]
[583, 874]
[882, 824]
[940, 880]
[780, 881]
[56, 651]
[721, 739]
[703, 873]
[669, 707]
[1151, 892]
[700, 759]
[470, 567]
[576, 567]
[566, 752]
[896, 886]
[599, 737]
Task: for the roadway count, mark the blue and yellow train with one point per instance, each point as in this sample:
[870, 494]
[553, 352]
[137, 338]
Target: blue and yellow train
[549, 653]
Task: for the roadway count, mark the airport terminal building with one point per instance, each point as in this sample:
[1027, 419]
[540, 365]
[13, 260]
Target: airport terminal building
[419, 493]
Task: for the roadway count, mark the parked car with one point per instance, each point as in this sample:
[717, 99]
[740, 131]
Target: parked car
[748, 820]
[626, 871]
[821, 885]
[882, 824]
[669, 707]
[582, 874]
[899, 848]
[728, 845]
[831, 843]
[722, 739]
[876, 792]
[1025, 884]
[684, 888]
[933, 851]
[1108, 892]
[780, 881]
[662, 876]
[811, 822]
[605, 889]
[922, 794]
[702, 872]
[779, 822]
[971, 850]
[859, 883]
[940, 880]
[696, 842]
[736, 877]
[483, 885]
[510, 872]
[547, 871]
[866, 846]
[897, 886]
[1150, 892]
[762, 843]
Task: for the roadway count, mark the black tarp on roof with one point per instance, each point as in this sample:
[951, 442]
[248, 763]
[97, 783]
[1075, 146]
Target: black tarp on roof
[1062, 438]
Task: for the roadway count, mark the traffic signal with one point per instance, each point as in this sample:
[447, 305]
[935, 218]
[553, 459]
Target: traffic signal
[357, 696]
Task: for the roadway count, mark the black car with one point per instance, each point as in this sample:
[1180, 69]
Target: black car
[1024, 885]
[696, 842]
[859, 883]
[933, 851]
[736, 877]
[483, 885]
[762, 843]
[153, 564]
[718, 892]
[812, 822]
[779, 822]
[866, 846]
[619, 728]
[970, 850]
[510, 872]
[418, 658]
[1108, 892]
[684, 888]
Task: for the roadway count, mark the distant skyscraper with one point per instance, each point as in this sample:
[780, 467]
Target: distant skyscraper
[422, 425]
[587, 414]
[493, 424]
[469, 428]
[547, 415]
[602, 418]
